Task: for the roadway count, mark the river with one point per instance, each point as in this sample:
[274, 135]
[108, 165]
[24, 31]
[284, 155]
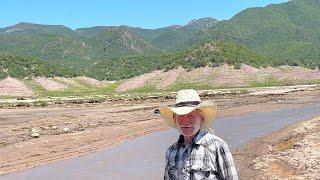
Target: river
[143, 157]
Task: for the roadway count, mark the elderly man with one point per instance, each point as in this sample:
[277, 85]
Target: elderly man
[197, 154]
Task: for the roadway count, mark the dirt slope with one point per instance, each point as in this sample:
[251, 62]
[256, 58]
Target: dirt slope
[210, 77]
[221, 76]
[14, 87]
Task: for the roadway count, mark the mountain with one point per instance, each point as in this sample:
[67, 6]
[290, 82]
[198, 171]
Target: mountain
[202, 23]
[177, 37]
[24, 28]
[91, 31]
[119, 41]
[288, 30]
[54, 43]
[74, 48]
[84, 46]
[162, 39]
[46, 46]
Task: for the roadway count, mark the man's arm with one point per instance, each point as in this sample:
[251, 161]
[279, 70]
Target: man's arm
[167, 175]
[226, 167]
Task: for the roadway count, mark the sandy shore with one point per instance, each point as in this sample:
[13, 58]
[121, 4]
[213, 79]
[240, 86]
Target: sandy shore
[74, 130]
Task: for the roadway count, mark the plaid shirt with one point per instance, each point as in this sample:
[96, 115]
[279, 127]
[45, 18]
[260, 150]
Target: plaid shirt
[208, 157]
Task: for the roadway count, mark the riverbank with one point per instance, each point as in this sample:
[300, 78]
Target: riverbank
[75, 130]
[291, 153]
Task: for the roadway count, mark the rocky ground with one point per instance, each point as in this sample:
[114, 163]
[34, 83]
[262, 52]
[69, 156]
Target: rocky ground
[37, 135]
[291, 153]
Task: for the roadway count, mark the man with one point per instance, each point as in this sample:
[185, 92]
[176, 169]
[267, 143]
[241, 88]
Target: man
[197, 154]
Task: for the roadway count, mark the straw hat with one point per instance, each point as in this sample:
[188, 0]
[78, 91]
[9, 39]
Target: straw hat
[186, 101]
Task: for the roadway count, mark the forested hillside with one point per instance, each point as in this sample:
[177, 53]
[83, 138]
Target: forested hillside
[286, 33]
[26, 66]
[209, 54]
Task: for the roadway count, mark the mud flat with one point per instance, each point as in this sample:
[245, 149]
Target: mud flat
[291, 153]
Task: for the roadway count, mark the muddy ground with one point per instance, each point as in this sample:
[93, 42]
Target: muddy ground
[291, 153]
[67, 131]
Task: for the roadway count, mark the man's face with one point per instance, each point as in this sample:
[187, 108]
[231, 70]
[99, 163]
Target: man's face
[188, 124]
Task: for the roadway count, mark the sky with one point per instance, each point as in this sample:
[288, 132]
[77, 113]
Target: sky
[149, 14]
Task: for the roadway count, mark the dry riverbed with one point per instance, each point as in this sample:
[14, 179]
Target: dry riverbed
[34, 136]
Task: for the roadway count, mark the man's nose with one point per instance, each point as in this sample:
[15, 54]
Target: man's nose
[183, 119]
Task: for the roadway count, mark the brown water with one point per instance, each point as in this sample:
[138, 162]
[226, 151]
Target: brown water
[143, 157]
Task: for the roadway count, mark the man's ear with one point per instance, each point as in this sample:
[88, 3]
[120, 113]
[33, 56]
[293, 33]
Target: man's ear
[201, 115]
[174, 118]
[202, 119]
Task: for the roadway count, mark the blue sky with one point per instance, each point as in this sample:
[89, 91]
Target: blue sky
[138, 13]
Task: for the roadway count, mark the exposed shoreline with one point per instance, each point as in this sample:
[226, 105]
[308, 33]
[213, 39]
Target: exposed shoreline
[290, 153]
[90, 125]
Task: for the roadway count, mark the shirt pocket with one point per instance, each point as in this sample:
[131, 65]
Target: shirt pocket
[201, 167]
[200, 171]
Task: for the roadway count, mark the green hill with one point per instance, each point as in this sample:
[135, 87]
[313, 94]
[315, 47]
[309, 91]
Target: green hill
[90, 32]
[178, 37]
[118, 41]
[288, 30]
[212, 54]
[26, 66]
[24, 28]
[87, 45]
[46, 46]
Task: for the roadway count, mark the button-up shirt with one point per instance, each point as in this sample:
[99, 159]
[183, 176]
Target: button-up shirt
[207, 157]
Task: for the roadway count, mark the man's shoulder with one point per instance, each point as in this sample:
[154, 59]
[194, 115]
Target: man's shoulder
[170, 149]
[212, 142]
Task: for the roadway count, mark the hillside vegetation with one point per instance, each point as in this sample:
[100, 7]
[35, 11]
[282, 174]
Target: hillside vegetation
[209, 54]
[286, 33]
[26, 66]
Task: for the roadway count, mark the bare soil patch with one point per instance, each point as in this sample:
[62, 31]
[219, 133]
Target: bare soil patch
[68, 81]
[136, 82]
[229, 76]
[13, 87]
[224, 75]
[49, 84]
[165, 79]
[216, 77]
[201, 75]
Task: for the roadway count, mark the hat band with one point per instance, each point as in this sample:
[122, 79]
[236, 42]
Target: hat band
[187, 104]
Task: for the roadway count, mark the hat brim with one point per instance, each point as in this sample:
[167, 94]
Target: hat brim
[208, 108]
